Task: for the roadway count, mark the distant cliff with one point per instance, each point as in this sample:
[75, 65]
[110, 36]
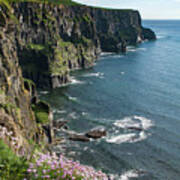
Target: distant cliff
[53, 39]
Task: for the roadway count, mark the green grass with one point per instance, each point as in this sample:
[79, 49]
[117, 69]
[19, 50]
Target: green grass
[41, 110]
[64, 2]
[12, 167]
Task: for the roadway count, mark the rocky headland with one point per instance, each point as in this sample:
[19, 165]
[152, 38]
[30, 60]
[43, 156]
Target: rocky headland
[40, 44]
[53, 40]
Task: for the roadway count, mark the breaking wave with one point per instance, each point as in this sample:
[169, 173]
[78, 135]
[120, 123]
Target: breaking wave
[137, 127]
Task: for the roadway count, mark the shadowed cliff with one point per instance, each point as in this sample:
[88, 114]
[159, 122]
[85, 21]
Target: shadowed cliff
[53, 40]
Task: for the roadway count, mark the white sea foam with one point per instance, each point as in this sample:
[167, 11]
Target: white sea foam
[129, 174]
[59, 111]
[44, 92]
[121, 138]
[73, 115]
[126, 123]
[131, 123]
[75, 81]
[161, 36]
[117, 56]
[72, 98]
[134, 121]
[98, 74]
[131, 49]
[142, 49]
[122, 73]
[106, 53]
[84, 113]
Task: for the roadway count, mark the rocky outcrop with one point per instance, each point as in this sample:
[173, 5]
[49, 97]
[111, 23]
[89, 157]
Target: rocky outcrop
[53, 40]
[79, 137]
[96, 133]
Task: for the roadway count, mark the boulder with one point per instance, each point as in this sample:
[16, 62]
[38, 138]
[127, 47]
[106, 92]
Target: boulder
[79, 137]
[59, 124]
[96, 133]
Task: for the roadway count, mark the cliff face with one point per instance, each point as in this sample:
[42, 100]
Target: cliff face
[17, 95]
[54, 39]
[118, 28]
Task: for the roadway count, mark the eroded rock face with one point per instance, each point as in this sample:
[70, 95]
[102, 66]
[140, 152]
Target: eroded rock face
[53, 40]
[16, 93]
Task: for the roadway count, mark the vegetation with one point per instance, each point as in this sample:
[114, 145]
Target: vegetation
[39, 165]
[41, 110]
[64, 2]
[37, 47]
[11, 165]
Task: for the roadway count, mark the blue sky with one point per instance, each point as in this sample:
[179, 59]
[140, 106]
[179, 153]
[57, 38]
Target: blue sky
[149, 9]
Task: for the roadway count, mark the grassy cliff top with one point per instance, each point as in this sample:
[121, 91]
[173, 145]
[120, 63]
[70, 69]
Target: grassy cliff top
[64, 2]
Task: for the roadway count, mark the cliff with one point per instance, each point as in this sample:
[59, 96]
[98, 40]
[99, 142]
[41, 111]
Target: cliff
[19, 105]
[46, 42]
[53, 40]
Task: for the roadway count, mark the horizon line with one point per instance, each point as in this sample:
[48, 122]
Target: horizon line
[160, 19]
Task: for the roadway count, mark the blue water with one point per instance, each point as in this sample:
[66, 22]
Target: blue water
[138, 89]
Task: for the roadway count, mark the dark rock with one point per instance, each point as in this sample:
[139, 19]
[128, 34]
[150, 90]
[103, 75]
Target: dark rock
[77, 137]
[135, 128]
[148, 34]
[59, 124]
[96, 133]
[65, 127]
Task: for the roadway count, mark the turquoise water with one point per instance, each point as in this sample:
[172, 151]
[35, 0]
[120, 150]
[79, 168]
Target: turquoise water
[138, 89]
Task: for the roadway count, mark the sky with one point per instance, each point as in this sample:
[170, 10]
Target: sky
[149, 9]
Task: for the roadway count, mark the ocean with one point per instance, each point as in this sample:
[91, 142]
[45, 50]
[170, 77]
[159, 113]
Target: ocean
[139, 89]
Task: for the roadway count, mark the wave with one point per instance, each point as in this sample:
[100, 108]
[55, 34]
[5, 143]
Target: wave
[75, 81]
[59, 111]
[134, 49]
[84, 113]
[134, 121]
[127, 138]
[121, 138]
[98, 74]
[137, 127]
[129, 174]
[106, 53]
[43, 92]
[161, 36]
[142, 49]
[131, 49]
[117, 56]
[73, 115]
[72, 98]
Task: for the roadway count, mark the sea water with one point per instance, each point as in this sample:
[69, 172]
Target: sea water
[136, 97]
